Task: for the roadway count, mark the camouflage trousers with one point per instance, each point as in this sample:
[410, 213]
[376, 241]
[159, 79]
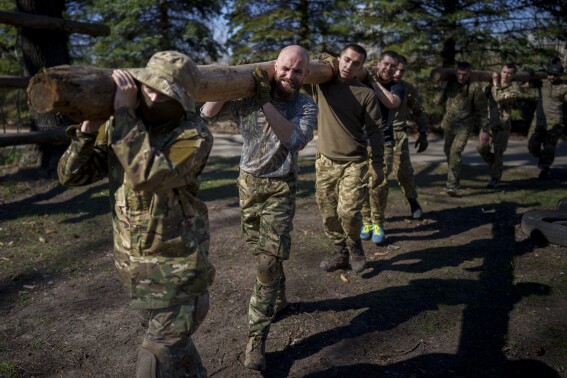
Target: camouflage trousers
[456, 138]
[542, 143]
[267, 209]
[498, 142]
[340, 193]
[397, 161]
[168, 339]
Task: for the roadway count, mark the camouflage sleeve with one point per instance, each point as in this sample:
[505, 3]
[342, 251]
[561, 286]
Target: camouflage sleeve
[85, 160]
[373, 122]
[147, 168]
[480, 103]
[415, 104]
[304, 122]
[440, 97]
[504, 96]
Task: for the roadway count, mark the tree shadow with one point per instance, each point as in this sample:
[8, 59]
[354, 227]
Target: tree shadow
[488, 302]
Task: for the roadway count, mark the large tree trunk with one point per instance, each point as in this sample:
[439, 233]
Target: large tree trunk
[86, 92]
[44, 48]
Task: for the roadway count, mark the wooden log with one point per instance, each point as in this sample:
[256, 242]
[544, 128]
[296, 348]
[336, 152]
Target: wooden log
[34, 137]
[14, 82]
[32, 21]
[443, 74]
[86, 92]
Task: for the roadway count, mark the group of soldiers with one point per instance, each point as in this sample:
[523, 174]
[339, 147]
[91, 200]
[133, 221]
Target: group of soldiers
[155, 146]
[466, 106]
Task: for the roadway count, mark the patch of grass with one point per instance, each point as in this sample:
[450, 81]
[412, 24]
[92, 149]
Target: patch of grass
[36, 344]
[8, 370]
[23, 300]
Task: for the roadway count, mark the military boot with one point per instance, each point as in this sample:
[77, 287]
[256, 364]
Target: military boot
[357, 258]
[255, 353]
[415, 208]
[338, 260]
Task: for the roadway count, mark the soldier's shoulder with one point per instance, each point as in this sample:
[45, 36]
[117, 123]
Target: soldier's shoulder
[191, 126]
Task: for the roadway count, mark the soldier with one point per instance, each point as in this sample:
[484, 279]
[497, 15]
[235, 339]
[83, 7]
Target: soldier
[547, 125]
[346, 108]
[501, 96]
[412, 104]
[153, 151]
[466, 105]
[390, 94]
[275, 124]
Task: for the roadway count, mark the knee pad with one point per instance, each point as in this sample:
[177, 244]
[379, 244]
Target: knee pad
[269, 269]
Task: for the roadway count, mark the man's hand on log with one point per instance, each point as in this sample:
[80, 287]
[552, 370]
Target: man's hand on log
[126, 90]
[483, 137]
[496, 79]
[91, 127]
[263, 87]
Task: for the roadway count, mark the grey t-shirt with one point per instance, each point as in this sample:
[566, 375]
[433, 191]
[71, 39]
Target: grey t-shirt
[263, 154]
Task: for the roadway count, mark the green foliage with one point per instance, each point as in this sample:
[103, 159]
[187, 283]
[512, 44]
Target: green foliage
[139, 28]
[8, 369]
[259, 29]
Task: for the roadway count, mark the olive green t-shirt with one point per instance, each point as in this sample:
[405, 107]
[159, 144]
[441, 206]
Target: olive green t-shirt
[349, 113]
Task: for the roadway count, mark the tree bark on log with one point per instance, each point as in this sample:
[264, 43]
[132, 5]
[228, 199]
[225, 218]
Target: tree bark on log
[444, 74]
[52, 23]
[87, 92]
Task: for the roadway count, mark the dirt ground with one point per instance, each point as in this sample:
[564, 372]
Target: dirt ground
[461, 293]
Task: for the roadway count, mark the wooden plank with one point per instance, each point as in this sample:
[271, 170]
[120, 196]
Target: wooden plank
[32, 21]
[34, 137]
[14, 82]
[87, 92]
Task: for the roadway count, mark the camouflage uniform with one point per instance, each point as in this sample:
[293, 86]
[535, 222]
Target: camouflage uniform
[267, 187]
[500, 101]
[547, 125]
[161, 229]
[466, 105]
[397, 157]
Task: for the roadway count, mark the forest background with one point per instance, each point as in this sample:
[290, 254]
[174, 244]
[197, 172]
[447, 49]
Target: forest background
[429, 33]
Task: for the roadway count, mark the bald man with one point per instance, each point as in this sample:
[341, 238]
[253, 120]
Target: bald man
[275, 124]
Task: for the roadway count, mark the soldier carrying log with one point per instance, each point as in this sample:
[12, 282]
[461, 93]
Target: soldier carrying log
[153, 150]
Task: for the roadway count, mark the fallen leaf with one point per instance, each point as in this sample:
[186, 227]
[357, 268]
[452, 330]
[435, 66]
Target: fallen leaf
[50, 231]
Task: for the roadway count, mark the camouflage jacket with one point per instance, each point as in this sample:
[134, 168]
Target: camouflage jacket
[411, 104]
[551, 98]
[161, 231]
[500, 101]
[465, 105]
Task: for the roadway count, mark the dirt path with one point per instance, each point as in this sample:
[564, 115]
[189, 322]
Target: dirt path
[461, 293]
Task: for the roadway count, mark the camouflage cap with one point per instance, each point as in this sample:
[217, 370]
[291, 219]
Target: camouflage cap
[555, 69]
[173, 74]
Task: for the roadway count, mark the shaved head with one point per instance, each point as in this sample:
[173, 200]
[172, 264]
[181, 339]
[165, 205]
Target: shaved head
[292, 66]
[294, 51]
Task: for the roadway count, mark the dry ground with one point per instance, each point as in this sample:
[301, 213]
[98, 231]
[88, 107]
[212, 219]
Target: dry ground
[461, 293]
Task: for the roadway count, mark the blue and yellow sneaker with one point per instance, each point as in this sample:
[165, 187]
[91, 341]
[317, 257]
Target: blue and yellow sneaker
[377, 234]
[366, 232]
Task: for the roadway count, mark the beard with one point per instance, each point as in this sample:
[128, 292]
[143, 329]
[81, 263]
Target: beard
[285, 88]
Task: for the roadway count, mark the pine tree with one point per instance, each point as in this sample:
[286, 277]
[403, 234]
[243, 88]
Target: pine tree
[142, 27]
[259, 29]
